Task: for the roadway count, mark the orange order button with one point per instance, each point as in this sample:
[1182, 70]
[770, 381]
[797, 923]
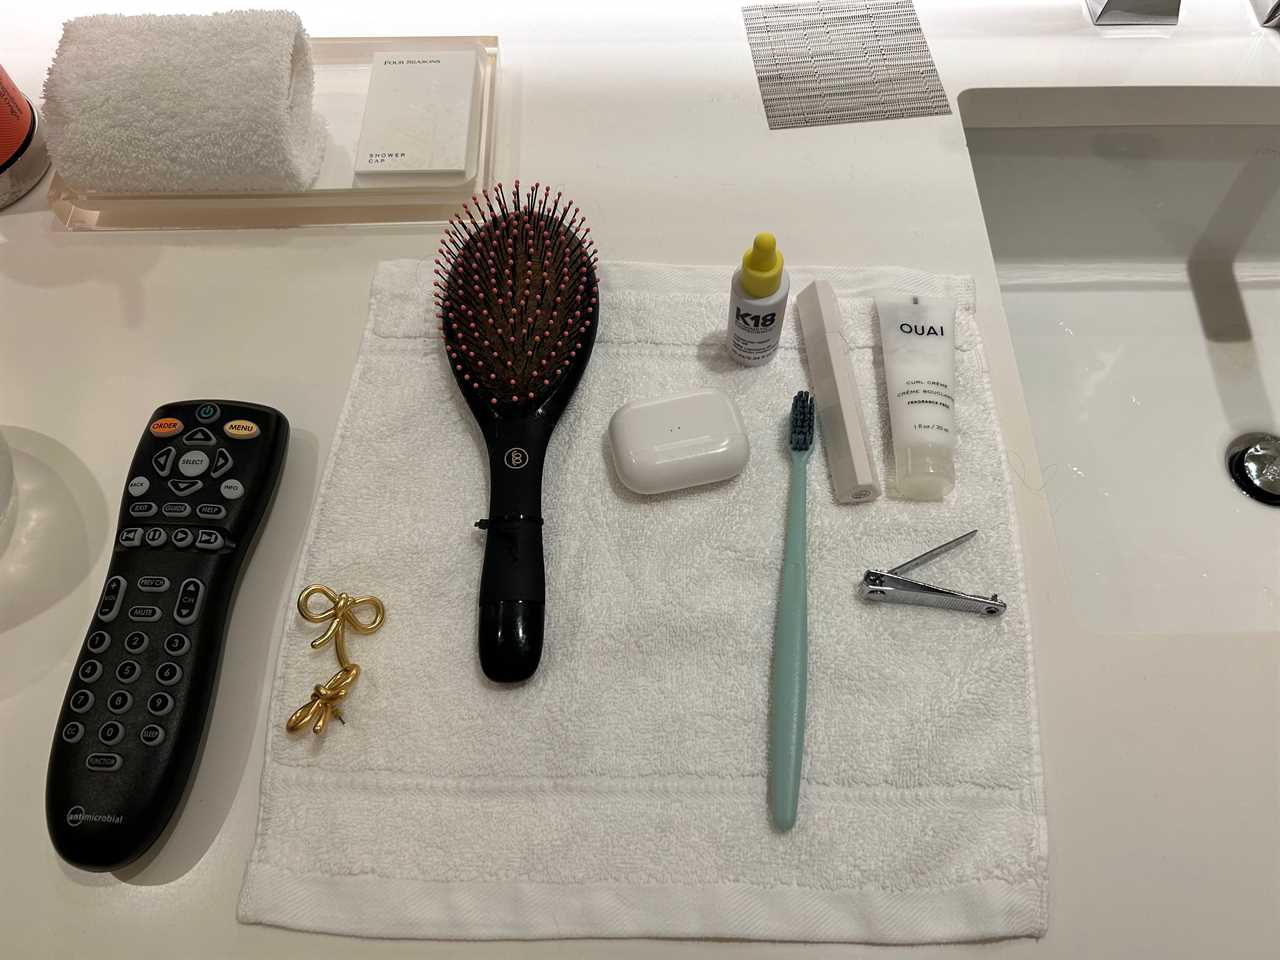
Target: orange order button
[166, 427]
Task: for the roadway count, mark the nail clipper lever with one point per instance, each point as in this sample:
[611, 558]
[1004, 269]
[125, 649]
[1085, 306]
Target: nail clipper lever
[889, 586]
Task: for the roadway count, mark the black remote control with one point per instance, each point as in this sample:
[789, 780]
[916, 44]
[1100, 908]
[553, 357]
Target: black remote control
[201, 483]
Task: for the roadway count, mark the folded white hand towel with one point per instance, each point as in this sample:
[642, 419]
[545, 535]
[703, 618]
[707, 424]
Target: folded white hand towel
[184, 104]
[621, 792]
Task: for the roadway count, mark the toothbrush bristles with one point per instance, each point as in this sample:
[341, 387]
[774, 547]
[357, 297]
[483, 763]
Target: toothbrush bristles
[802, 416]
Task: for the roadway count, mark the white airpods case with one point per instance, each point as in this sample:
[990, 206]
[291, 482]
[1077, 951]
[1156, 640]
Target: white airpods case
[683, 440]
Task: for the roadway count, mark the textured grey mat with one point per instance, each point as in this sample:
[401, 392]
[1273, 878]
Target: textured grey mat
[842, 61]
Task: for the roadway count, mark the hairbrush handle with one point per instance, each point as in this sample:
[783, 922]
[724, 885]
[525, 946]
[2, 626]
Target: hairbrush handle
[513, 578]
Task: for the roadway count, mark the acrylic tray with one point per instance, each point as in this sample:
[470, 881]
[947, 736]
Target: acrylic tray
[342, 69]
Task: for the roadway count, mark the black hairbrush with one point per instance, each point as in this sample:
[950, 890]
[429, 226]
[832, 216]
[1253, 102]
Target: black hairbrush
[518, 305]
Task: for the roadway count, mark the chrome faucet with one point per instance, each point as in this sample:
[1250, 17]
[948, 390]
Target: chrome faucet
[1108, 13]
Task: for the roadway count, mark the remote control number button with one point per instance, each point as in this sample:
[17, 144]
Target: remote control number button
[166, 426]
[153, 584]
[73, 731]
[152, 735]
[136, 642]
[168, 673]
[120, 701]
[175, 510]
[89, 671]
[232, 489]
[199, 437]
[163, 461]
[128, 671]
[209, 540]
[159, 704]
[156, 536]
[176, 644]
[111, 733]
[138, 486]
[144, 613]
[182, 538]
[112, 597]
[207, 412]
[211, 511]
[130, 537]
[81, 701]
[221, 463]
[190, 599]
[105, 762]
[240, 429]
[142, 508]
[98, 642]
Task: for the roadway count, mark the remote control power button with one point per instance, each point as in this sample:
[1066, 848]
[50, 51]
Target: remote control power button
[240, 429]
[73, 731]
[193, 463]
[159, 704]
[209, 540]
[152, 735]
[102, 761]
[112, 596]
[153, 584]
[221, 463]
[163, 461]
[166, 426]
[168, 673]
[120, 701]
[190, 599]
[98, 641]
[143, 508]
[138, 486]
[80, 701]
[128, 671]
[182, 538]
[130, 536]
[232, 489]
[207, 412]
[111, 732]
[176, 644]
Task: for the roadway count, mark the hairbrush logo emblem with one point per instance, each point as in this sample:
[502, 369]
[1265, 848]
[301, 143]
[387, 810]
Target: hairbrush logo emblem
[516, 458]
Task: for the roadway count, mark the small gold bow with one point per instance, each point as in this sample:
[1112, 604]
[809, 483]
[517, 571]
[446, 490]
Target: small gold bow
[325, 697]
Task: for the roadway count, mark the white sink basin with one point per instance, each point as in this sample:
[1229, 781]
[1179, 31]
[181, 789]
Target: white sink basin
[1136, 235]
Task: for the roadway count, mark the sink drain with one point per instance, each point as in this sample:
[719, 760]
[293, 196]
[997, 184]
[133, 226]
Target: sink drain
[1253, 461]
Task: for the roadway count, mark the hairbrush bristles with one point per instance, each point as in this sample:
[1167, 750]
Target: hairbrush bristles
[802, 421]
[516, 295]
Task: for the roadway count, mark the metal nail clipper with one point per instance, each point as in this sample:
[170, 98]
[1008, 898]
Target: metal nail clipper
[889, 586]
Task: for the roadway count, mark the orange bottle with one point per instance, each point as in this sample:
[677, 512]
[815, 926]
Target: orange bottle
[23, 157]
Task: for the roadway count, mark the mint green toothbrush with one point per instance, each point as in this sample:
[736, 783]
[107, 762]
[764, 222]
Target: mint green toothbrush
[791, 641]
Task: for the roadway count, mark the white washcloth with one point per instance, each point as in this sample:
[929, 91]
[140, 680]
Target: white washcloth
[184, 104]
[621, 792]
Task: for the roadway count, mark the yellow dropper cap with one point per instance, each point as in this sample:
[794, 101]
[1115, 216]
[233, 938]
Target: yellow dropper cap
[762, 267]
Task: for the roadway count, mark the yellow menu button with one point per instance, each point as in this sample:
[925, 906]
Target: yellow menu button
[240, 429]
[166, 427]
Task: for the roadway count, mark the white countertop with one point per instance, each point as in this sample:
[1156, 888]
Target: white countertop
[1162, 753]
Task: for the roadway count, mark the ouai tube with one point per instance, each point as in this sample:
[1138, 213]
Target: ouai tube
[918, 337]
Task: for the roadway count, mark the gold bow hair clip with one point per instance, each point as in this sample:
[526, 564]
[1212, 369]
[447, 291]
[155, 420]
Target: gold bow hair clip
[341, 613]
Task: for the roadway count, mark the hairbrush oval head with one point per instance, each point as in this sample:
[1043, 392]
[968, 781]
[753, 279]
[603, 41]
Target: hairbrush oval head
[518, 303]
